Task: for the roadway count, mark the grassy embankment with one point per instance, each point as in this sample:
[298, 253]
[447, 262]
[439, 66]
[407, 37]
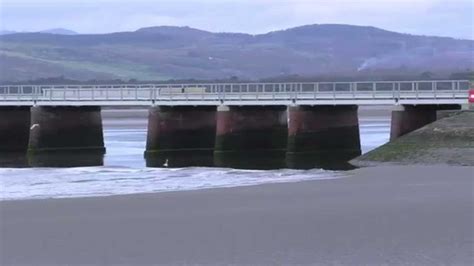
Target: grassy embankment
[449, 140]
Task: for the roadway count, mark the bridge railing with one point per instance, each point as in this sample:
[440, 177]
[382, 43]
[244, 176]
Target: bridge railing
[447, 89]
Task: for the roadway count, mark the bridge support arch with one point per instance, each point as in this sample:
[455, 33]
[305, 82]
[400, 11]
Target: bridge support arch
[181, 135]
[64, 130]
[323, 132]
[407, 118]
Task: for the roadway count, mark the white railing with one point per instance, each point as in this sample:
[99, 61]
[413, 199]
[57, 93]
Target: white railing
[381, 92]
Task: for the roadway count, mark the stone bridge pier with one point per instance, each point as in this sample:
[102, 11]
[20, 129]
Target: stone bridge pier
[407, 118]
[66, 136]
[322, 132]
[14, 134]
[180, 136]
[250, 135]
[14, 129]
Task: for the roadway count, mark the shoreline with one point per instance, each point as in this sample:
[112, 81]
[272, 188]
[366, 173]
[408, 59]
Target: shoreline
[355, 173]
[337, 175]
[384, 215]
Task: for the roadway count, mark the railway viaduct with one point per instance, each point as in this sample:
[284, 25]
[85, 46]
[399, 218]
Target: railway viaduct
[241, 119]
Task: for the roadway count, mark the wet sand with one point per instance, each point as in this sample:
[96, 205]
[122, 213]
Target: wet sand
[393, 215]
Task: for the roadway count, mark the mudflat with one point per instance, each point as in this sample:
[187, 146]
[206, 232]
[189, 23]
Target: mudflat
[388, 215]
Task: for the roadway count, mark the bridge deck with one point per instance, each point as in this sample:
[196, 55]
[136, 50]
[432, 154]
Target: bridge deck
[310, 93]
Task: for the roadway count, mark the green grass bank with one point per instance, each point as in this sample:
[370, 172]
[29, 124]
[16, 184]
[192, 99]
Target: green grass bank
[449, 140]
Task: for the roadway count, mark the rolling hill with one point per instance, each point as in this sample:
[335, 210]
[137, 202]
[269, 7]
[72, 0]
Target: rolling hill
[159, 53]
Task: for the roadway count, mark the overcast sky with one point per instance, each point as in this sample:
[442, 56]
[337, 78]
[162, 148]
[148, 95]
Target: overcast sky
[452, 18]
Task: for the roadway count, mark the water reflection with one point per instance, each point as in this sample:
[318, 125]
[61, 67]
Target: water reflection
[249, 160]
[66, 159]
[203, 158]
[264, 160]
[13, 159]
[338, 160]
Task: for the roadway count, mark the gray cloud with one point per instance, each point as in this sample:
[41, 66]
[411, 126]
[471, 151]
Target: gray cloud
[428, 17]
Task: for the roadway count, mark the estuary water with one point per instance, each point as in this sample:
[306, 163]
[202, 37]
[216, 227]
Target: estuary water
[124, 170]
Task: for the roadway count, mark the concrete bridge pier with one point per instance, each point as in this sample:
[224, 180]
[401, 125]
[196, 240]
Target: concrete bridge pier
[14, 129]
[250, 128]
[250, 135]
[66, 136]
[181, 135]
[323, 132]
[14, 134]
[407, 118]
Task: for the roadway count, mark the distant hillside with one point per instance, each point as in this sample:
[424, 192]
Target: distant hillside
[52, 31]
[3, 32]
[159, 53]
[59, 31]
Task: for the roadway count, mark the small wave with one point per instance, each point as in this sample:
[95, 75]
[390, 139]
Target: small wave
[104, 181]
[40, 183]
[84, 180]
